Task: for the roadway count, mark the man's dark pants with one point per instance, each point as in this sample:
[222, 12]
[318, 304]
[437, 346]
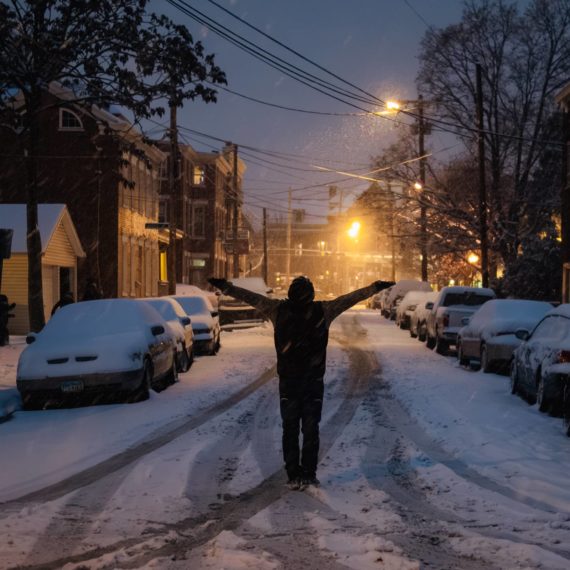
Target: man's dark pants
[301, 406]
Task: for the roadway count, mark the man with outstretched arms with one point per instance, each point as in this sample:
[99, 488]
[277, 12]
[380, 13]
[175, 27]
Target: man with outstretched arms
[301, 335]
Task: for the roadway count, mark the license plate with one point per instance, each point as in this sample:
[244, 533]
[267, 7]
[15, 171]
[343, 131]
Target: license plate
[72, 386]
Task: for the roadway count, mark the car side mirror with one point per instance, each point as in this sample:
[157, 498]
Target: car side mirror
[31, 338]
[157, 330]
[185, 321]
[522, 334]
[429, 306]
[465, 321]
[214, 313]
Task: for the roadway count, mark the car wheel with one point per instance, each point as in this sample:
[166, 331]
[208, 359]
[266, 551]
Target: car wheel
[413, 334]
[486, 364]
[172, 375]
[142, 392]
[183, 360]
[541, 396]
[430, 341]
[463, 361]
[422, 332]
[191, 357]
[218, 345]
[514, 378]
[441, 346]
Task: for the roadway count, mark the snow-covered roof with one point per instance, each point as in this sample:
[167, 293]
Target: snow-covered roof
[13, 217]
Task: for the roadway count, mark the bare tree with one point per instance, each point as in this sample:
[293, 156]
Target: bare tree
[106, 52]
[526, 58]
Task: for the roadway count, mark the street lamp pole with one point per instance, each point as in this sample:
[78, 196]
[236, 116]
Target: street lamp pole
[423, 213]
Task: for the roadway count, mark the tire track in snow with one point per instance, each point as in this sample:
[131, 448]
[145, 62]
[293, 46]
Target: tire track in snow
[394, 474]
[160, 438]
[195, 531]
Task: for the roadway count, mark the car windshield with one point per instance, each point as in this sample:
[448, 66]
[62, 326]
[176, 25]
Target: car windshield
[193, 305]
[164, 308]
[467, 298]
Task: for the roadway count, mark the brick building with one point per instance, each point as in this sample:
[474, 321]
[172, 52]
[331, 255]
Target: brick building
[85, 155]
[204, 212]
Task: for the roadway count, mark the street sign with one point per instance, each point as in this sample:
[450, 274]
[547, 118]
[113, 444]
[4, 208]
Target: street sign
[157, 225]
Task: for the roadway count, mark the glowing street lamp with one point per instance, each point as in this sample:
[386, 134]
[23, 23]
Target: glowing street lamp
[473, 258]
[392, 106]
[354, 230]
[418, 186]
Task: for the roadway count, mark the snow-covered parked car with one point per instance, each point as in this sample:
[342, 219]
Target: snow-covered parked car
[407, 306]
[179, 325]
[213, 296]
[116, 347]
[418, 326]
[489, 337]
[540, 369]
[205, 323]
[446, 316]
[397, 293]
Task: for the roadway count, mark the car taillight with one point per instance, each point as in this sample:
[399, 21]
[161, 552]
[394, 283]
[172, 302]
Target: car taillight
[445, 320]
[564, 356]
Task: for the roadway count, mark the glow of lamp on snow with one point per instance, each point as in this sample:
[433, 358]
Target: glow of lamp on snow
[473, 258]
[354, 230]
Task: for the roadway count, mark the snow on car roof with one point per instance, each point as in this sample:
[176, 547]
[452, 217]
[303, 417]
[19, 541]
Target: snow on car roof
[100, 317]
[405, 285]
[194, 304]
[508, 315]
[459, 289]
[168, 307]
[562, 310]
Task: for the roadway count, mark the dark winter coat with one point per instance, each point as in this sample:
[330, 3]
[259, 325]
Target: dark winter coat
[301, 331]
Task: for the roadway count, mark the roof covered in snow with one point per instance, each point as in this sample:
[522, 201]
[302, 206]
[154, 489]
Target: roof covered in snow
[13, 217]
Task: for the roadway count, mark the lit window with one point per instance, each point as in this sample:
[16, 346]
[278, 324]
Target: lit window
[69, 121]
[163, 267]
[199, 176]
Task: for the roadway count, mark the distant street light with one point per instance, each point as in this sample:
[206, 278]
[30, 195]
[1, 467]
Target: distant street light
[354, 230]
[418, 186]
[473, 258]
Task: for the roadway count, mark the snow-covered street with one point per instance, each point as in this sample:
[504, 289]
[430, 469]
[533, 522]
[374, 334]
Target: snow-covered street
[423, 465]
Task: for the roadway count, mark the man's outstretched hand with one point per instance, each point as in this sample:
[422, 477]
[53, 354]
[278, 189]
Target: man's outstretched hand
[381, 285]
[219, 283]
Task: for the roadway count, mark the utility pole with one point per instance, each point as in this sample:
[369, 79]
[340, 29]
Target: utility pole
[482, 183]
[392, 233]
[288, 257]
[236, 212]
[265, 259]
[172, 187]
[423, 213]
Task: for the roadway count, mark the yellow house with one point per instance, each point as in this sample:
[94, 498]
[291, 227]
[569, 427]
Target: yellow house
[60, 250]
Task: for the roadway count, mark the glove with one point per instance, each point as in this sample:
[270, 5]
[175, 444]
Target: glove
[381, 285]
[219, 283]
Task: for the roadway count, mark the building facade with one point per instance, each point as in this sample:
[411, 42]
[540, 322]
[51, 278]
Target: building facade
[96, 163]
[205, 206]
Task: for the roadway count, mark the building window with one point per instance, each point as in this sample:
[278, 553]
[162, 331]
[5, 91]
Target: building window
[69, 121]
[163, 210]
[199, 177]
[199, 221]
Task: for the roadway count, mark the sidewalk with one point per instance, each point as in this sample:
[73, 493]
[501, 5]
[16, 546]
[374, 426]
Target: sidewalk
[9, 397]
